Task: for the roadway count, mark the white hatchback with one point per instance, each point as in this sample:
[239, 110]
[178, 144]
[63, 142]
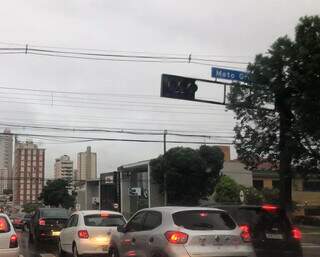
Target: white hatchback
[8, 238]
[89, 232]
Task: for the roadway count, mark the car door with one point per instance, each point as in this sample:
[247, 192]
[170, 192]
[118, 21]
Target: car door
[66, 236]
[131, 243]
[150, 236]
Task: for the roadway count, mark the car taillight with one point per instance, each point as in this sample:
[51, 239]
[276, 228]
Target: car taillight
[83, 234]
[42, 222]
[296, 233]
[245, 234]
[269, 208]
[13, 241]
[176, 237]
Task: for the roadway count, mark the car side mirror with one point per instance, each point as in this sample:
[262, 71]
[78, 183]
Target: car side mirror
[122, 229]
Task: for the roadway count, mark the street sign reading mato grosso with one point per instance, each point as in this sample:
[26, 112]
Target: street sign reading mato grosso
[228, 74]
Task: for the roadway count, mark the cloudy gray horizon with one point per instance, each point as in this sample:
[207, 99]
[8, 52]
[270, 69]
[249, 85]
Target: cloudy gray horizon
[126, 94]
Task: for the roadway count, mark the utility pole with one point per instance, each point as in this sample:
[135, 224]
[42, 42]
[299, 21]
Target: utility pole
[164, 173]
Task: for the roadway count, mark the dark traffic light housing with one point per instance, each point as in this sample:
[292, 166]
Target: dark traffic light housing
[178, 87]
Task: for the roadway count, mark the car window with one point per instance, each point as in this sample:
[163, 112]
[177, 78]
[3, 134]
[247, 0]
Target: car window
[54, 213]
[136, 223]
[152, 220]
[97, 220]
[4, 225]
[70, 221]
[203, 220]
[75, 220]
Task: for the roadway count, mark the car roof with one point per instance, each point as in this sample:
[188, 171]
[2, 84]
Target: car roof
[92, 212]
[174, 209]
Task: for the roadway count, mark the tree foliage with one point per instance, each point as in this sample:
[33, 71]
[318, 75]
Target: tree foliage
[290, 70]
[191, 174]
[55, 193]
[284, 92]
[30, 207]
[227, 191]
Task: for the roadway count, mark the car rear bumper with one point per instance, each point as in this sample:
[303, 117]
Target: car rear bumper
[87, 247]
[14, 252]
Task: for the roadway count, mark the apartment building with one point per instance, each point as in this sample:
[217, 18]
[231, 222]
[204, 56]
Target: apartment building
[29, 172]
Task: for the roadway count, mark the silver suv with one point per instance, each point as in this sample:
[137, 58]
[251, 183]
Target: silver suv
[180, 232]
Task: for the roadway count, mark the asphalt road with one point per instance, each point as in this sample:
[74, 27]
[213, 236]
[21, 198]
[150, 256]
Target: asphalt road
[311, 248]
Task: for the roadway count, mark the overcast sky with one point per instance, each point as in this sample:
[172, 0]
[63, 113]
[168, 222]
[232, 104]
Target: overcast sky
[128, 92]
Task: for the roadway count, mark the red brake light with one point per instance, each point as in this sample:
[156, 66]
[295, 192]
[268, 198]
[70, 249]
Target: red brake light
[13, 241]
[176, 237]
[203, 214]
[245, 234]
[3, 225]
[269, 207]
[42, 222]
[296, 233]
[83, 234]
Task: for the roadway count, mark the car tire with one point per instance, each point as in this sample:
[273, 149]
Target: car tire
[75, 251]
[61, 253]
[113, 252]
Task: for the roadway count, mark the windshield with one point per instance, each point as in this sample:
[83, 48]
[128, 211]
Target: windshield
[103, 221]
[203, 220]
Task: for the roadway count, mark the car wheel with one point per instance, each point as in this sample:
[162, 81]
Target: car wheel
[61, 252]
[113, 252]
[75, 251]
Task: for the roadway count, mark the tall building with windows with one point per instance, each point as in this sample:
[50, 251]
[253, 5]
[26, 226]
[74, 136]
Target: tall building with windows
[87, 165]
[29, 166]
[6, 145]
[63, 168]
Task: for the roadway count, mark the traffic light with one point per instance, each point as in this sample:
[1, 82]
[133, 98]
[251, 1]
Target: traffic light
[173, 86]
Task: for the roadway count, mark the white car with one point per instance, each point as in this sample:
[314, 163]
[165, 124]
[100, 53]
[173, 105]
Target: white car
[8, 238]
[181, 232]
[88, 232]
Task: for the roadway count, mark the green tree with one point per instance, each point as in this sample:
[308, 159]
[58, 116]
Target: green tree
[279, 111]
[30, 207]
[55, 193]
[252, 196]
[227, 191]
[191, 174]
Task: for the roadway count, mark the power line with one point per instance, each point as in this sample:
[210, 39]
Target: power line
[116, 139]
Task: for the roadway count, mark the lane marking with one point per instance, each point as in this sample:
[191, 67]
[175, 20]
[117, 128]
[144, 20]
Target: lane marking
[310, 245]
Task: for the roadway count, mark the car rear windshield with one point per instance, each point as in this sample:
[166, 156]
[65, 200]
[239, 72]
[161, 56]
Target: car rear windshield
[54, 214]
[97, 220]
[203, 220]
[4, 225]
[261, 221]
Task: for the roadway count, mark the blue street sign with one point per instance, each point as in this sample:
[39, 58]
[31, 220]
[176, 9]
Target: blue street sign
[234, 75]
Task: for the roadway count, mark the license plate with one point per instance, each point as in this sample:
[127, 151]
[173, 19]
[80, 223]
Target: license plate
[55, 233]
[274, 236]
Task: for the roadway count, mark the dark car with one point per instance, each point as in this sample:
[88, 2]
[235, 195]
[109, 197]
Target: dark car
[47, 223]
[269, 229]
[17, 220]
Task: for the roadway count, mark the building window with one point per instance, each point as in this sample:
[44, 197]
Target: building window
[258, 184]
[311, 186]
[276, 184]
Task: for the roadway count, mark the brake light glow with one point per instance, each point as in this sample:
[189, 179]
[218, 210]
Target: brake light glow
[269, 207]
[203, 214]
[3, 225]
[104, 214]
[13, 241]
[176, 237]
[83, 234]
[296, 233]
[245, 234]
[42, 222]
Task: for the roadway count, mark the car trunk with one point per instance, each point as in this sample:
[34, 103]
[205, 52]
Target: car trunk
[212, 243]
[100, 235]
